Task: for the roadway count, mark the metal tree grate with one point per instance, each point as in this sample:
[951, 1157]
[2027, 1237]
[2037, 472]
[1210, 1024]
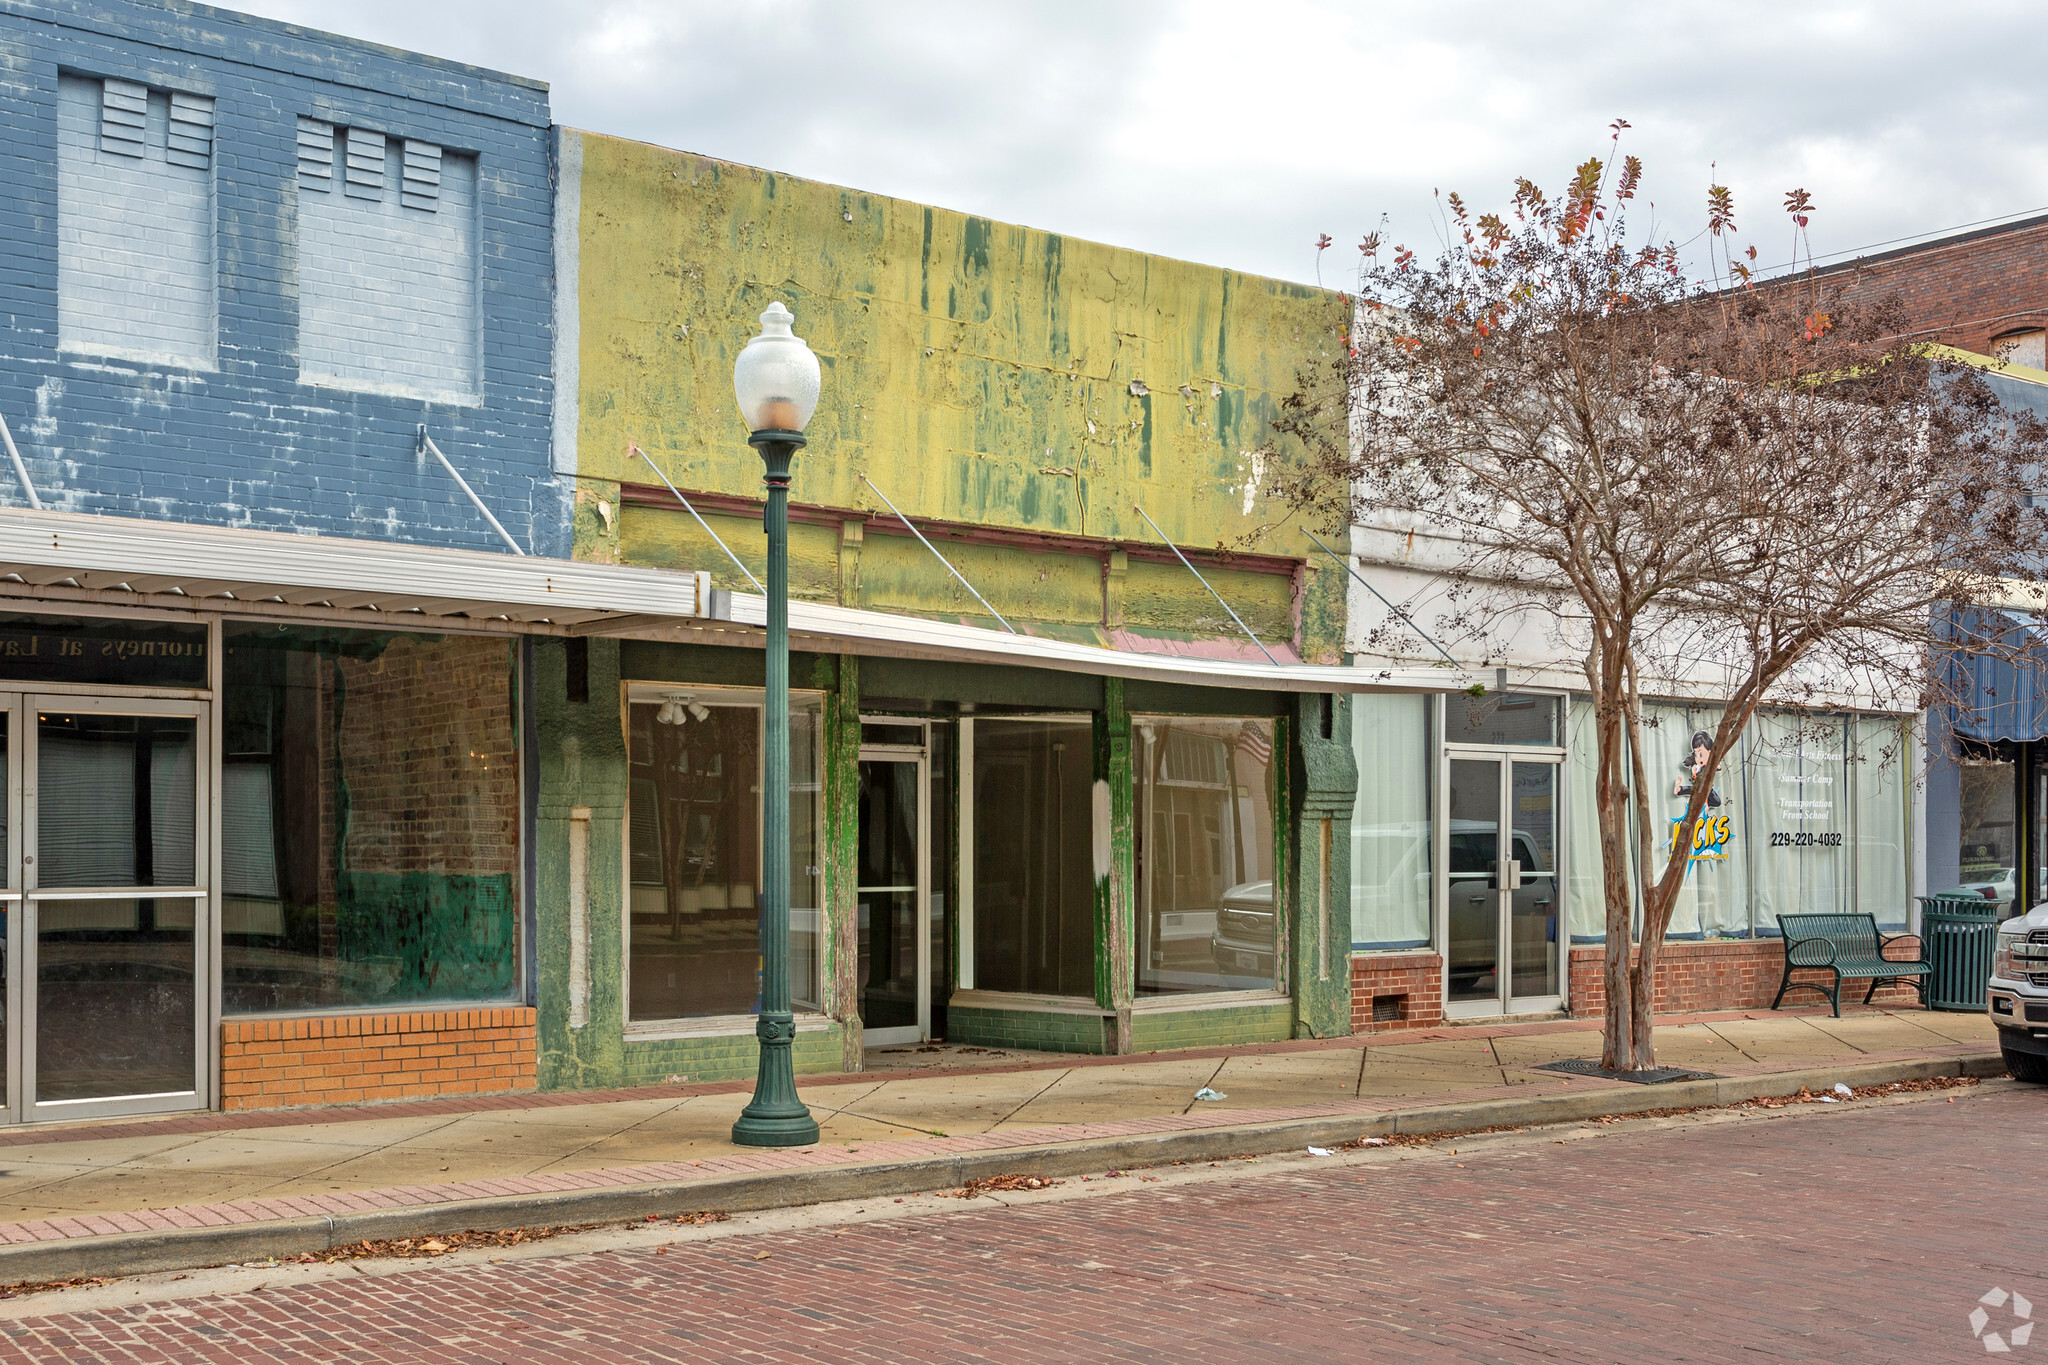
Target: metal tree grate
[1655, 1075]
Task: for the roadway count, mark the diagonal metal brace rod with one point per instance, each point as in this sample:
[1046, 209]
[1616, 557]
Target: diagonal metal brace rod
[636, 450]
[1205, 583]
[20, 469]
[1382, 596]
[427, 444]
[936, 555]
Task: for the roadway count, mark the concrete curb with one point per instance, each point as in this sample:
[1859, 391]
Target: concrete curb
[143, 1252]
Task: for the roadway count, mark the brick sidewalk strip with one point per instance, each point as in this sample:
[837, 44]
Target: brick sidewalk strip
[37, 1135]
[874, 1153]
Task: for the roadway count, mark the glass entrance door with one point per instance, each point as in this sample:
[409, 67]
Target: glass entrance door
[108, 954]
[894, 965]
[1502, 931]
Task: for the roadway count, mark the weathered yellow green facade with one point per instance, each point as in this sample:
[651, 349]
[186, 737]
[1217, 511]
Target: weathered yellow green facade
[1019, 395]
[983, 375]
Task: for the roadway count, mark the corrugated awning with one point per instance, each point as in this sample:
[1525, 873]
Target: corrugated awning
[70, 558]
[2002, 684]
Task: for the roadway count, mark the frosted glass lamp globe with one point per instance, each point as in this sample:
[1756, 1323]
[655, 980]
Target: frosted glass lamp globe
[776, 376]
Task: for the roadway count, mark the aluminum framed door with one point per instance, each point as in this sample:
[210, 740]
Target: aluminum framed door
[1502, 926]
[891, 895]
[110, 960]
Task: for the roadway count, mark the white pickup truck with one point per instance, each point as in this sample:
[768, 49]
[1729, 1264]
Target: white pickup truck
[2019, 995]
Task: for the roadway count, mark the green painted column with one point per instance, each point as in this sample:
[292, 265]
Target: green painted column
[1322, 783]
[579, 832]
[1115, 868]
[842, 851]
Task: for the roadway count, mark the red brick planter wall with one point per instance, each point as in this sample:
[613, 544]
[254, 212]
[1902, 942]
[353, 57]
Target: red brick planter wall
[272, 1063]
[1410, 984]
[1694, 977]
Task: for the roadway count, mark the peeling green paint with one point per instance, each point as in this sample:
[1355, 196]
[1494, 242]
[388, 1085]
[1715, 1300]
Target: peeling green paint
[1322, 776]
[981, 372]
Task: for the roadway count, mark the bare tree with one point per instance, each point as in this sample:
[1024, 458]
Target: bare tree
[1757, 482]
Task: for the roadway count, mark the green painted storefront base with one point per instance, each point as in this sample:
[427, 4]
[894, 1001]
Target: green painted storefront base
[727, 1057]
[1263, 1021]
[1212, 1026]
[1038, 1030]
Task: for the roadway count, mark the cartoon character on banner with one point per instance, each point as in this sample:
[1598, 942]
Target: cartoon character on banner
[1694, 764]
[1710, 835]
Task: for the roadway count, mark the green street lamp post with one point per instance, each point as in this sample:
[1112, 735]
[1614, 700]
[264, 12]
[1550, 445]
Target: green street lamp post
[776, 381]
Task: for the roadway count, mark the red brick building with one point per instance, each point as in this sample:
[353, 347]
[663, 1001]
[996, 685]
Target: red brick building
[1985, 290]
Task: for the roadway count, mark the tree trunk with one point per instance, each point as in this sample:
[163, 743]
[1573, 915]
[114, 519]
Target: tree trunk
[1655, 895]
[1610, 797]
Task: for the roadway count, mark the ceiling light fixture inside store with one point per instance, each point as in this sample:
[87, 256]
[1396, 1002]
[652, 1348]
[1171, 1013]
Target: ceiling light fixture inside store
[676, 703]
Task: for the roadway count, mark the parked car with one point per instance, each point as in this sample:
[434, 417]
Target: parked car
[1470, 966]
[2018, 996]
[1999, 887]
[1243, 943]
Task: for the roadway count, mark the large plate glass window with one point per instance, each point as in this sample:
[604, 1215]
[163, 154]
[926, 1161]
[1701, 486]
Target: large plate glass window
[1799, 816]
[694, 852]
[1205, 915]
[369, 819]
[1390, 822]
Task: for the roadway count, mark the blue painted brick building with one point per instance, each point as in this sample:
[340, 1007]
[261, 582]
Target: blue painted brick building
[243, 262]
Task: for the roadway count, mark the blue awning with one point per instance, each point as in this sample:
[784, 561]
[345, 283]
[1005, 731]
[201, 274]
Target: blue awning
[2002, 694]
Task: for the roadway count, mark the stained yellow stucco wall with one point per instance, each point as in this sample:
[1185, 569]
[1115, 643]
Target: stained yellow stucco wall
[979, 372]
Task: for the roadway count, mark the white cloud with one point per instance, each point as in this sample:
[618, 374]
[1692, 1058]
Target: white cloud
[1234, 134]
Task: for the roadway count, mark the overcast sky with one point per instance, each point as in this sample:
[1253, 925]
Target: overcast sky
[1235, 133]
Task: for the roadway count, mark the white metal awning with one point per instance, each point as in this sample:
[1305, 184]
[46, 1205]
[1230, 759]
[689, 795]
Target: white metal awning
[71, 558]
[827, 629]
[181, 564]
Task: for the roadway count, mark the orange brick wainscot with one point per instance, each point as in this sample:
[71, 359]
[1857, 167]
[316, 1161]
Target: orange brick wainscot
[275, 1063]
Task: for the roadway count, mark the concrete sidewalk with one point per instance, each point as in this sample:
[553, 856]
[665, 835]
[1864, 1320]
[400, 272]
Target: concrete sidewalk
[132, 1189]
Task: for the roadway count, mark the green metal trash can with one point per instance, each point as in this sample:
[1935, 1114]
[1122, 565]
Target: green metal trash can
[1957, 936]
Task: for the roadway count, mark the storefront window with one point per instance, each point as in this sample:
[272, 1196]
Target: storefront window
[1390, 822]
[694, 948]
[1809, 815]
[1713, 900]
[1877, 773]
[1205, 913]
[1990, 844]
[1034, 882]
[369, 806]
[1798, 817]
[1586, 890]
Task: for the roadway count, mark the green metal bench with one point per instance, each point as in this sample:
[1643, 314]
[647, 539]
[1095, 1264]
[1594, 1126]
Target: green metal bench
[1848, 946]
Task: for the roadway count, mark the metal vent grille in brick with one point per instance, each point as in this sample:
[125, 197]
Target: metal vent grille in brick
[1386, 1009]
[421, 188]
[191, 131]
[316, 154]
[124, 114]
[365, 170]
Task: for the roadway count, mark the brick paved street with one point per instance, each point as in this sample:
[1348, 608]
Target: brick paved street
[1865, 1233]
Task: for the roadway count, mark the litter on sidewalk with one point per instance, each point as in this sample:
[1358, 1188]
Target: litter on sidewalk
[1205, 1093]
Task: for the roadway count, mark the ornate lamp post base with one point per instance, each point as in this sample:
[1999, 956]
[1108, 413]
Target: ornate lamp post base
[776, 1117]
